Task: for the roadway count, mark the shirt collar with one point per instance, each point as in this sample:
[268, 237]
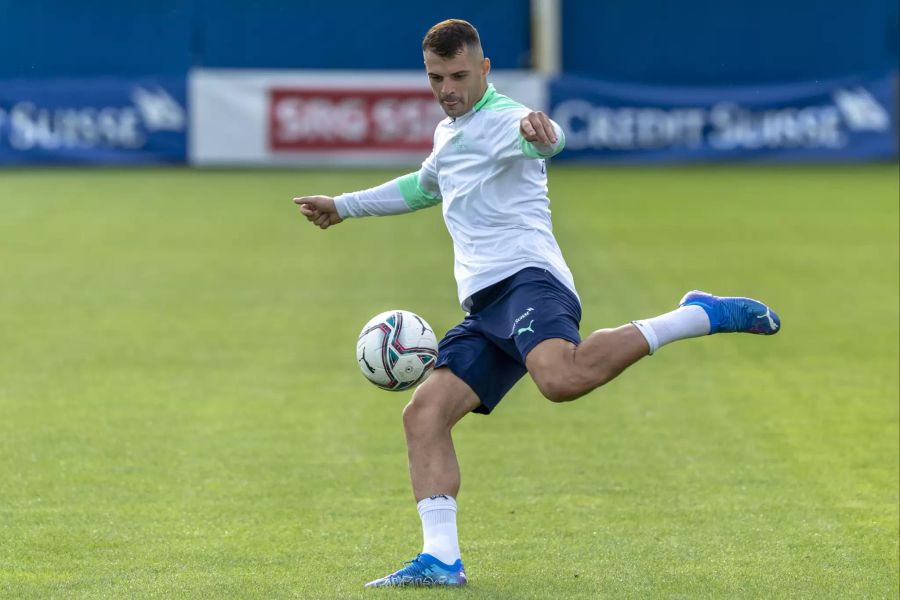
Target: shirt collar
[489, 93]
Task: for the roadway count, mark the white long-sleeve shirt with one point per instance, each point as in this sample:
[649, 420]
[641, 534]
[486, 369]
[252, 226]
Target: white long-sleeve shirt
[492, 187]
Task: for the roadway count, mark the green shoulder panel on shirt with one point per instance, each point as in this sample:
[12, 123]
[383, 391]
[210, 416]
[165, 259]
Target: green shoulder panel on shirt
[413, 194]
[529, 149]
[493, 101]
[500, 102]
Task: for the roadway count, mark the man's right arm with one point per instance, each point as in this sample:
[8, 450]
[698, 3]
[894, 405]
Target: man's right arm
[405, 194]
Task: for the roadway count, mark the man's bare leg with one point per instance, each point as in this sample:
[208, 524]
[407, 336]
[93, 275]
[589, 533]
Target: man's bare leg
[565, 371]
[437, 405]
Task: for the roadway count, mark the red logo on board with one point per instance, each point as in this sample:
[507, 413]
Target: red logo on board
[352, 119]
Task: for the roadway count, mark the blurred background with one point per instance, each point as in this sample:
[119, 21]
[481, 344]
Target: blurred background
[270, 82]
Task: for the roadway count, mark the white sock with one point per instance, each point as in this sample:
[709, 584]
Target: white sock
[683, 322]
[438, 515]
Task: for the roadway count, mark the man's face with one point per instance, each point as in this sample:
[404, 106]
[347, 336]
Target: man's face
[458, 82]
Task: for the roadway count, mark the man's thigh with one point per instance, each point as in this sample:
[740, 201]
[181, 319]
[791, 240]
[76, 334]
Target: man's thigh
[453, 397]
[474, 359]
[537, 309]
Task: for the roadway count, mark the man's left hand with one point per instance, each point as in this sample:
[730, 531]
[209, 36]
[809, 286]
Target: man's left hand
[537, 128]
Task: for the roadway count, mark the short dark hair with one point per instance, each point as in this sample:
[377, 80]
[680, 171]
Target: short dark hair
[447, 38]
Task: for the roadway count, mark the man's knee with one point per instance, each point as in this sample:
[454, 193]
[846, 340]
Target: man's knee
[439, 402]
[423, 408]
[558, 387]
[553, 368]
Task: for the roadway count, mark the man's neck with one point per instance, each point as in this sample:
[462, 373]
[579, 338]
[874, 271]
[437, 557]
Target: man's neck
[485, 96]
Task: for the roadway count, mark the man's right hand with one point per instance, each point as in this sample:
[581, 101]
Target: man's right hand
[319, 210]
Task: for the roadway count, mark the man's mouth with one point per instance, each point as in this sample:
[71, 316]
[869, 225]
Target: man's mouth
[451, 101]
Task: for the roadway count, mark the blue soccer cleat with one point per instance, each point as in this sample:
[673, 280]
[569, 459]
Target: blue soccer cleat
[424, 571]
[730, 315]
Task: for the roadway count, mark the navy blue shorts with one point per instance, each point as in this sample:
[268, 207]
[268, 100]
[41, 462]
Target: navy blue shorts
[488, 349]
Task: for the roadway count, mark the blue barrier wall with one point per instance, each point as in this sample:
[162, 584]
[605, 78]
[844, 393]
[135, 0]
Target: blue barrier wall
[710, 42]
[56, 38]
[697, 42]
[351, 34]
[59, 38]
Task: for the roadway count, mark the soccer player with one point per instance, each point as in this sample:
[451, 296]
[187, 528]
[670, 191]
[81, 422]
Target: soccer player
[487, 171]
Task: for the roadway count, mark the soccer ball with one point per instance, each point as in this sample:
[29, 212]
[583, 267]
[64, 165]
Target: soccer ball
[396, 350]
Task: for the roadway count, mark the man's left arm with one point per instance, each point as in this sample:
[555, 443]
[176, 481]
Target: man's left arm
[528, 134]
[539, 136]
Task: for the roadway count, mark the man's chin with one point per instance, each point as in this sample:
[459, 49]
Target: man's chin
[455, 110]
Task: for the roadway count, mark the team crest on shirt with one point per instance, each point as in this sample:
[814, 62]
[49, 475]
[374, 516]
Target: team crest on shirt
[459, 143]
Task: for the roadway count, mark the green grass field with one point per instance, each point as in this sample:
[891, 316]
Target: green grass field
[182, 416]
